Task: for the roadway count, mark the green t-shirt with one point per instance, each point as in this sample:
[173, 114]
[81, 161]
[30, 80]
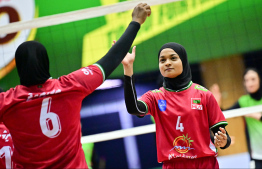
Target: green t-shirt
[88, 150]
[254, 127]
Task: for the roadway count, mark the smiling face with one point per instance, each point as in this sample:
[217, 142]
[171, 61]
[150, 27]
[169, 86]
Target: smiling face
[170, 64]
[251, 81]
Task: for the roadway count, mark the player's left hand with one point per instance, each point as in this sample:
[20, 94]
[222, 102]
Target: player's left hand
[129, 58]
[220, 138]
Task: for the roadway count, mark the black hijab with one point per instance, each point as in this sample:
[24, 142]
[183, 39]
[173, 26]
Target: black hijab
[258, 94]
[185, 77]
[32, 63]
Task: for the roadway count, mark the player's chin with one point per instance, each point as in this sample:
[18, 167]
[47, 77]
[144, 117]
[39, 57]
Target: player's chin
[171, 75]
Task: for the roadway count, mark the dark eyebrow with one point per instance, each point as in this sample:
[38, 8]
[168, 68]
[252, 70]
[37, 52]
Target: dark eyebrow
[173, 54]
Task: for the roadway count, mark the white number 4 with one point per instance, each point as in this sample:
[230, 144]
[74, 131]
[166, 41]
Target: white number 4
[179, 126]
[49, 121]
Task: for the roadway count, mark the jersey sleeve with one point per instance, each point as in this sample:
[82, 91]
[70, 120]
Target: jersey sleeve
[148, 100]
[87, 78]
[215, 115]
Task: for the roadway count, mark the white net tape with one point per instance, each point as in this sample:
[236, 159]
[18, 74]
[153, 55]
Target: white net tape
[151, 127]
[76, 15]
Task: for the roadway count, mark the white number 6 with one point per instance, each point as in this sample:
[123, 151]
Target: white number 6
[49, 121]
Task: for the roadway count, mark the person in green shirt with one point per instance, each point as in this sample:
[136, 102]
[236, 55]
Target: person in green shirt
[253, 121]
[88, 150]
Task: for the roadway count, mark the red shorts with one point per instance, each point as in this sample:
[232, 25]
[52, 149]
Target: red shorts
[181, 163]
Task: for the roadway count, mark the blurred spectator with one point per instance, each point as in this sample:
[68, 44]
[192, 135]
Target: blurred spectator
[253, 121]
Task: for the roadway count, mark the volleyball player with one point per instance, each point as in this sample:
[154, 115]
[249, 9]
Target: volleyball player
[6, 146]
[183, 112]
[253, 127]
[43, 114]
[217, 140]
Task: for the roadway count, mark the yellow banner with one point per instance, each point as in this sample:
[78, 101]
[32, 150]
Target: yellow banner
[98, 42]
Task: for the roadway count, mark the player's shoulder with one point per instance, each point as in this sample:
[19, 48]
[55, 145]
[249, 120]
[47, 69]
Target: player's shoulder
[153, 93]
[91, 70]
[200, 88]
[245, 98]
[156, 91]
[9, 92]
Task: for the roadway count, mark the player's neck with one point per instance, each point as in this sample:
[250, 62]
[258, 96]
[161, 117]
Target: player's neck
[179, 90]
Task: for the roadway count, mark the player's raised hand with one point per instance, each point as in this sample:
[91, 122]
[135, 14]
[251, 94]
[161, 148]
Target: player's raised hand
[129, 58]
[141, 12]
[220, 138]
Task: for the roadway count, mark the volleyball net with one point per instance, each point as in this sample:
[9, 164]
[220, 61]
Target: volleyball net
[151, 127]
[76, 15]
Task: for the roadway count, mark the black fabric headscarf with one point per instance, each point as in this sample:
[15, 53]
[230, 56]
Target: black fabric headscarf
[185, 77]
[32, 63]
[258, 94]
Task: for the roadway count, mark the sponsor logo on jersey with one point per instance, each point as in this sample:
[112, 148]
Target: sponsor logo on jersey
[182, 144]
[87, 71]
[196, 104]
[162, 105]
[172, 155]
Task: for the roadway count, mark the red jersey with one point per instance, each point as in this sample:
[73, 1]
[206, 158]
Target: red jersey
[44, 120]
[6, 147]
[183, 119]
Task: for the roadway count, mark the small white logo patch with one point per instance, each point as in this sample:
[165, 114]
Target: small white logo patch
[196, 104]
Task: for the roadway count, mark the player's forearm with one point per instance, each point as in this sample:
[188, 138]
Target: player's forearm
[119, 50]
[132, 105]
[256, 116]
[211, 136]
